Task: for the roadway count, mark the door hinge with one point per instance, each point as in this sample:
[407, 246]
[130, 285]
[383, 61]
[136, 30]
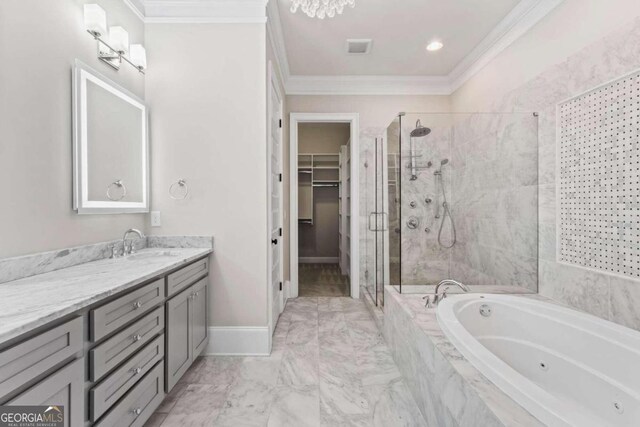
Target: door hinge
[280, 285]
[280, 123]
[280, 231]
[280, 177]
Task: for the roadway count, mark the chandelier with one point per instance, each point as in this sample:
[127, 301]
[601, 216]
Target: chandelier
[321, 8]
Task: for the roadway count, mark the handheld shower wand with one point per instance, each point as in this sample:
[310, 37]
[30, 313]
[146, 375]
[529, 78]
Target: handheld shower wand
[445, 209]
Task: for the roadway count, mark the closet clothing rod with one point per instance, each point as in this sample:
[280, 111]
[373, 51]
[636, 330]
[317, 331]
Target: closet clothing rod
[325, 185]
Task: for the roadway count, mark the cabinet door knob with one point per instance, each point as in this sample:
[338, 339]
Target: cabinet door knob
[137, 411]
[137, 305]
[137, 337]
[136, 371]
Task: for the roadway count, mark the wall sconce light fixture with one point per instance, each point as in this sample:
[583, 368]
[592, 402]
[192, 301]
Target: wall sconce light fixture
[112, 49]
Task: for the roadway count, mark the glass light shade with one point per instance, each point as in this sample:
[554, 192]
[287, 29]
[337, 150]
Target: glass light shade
[138, 55]
[119, 39]
[95, 19]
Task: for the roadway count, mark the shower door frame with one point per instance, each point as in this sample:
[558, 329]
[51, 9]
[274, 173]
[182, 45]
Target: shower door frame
[354, 127]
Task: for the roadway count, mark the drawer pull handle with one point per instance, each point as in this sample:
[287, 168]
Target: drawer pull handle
[136, 371]
[137, 411]
[137, 305]
[137, 337]
[197, 293]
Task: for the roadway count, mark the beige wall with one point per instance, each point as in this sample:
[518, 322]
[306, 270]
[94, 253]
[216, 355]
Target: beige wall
[321, 239]
[39, 41]
[208, 102]
[374, 111]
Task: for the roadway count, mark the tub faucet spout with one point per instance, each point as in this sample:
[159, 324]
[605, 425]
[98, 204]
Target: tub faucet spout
[437, 297]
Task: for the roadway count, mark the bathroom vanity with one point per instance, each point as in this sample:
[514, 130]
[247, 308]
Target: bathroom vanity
[105, 339]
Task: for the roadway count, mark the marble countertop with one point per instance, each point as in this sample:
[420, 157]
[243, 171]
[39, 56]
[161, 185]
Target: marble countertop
[28, 303]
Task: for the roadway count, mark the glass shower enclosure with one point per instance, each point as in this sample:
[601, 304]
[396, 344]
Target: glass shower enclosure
[451, 196]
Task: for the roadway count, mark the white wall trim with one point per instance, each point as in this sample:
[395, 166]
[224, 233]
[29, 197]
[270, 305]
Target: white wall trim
[276, 36]
[354, 121]
[319, 260]
[367, 85]
[238, 341]
[137, 8]
[199, 11]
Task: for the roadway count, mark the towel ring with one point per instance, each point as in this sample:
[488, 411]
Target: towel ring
[116, 183]
[181, 183]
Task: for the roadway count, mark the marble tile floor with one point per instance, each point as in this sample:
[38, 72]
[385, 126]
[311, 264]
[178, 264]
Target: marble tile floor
[329, 367]
[322, 280]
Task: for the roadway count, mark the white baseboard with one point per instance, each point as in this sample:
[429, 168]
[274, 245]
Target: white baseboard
[238, 341]
[318, 260]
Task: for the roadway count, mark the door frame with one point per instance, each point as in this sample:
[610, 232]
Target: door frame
[274, 86]
[353, 119]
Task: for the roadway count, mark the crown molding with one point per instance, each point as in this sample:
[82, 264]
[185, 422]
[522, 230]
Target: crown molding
[199, 11]
[367, 85]
[521, 19]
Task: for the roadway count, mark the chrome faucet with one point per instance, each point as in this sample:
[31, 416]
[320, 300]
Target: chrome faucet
[132, 248]
[439, 297]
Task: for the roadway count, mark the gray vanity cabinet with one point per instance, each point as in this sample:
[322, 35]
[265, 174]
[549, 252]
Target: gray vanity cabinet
[64, 388]
[109, 364]
[187, 332]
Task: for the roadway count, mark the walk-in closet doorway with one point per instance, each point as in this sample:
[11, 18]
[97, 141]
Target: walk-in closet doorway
[324, 258]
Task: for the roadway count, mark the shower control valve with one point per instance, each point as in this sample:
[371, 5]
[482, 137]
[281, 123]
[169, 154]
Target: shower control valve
[428, 200]
[413, 204]
[413, 223]
[427, 230]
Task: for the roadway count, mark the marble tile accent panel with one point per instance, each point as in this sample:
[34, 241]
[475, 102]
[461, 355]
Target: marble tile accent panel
[180, 242]
[15, 268]
[34, 301]
[449, 391]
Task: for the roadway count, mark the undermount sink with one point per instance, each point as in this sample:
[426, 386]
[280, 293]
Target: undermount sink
[150, 254]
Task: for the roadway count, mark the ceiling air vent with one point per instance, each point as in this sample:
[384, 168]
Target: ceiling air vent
[358, 46]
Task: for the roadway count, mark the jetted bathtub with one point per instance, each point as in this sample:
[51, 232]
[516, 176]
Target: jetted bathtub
[565, 367]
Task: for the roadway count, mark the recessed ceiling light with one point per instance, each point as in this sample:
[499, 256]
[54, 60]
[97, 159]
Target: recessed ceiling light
[435, 45]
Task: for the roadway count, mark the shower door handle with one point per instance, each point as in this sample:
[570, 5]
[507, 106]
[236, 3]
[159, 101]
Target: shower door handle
[369, 222]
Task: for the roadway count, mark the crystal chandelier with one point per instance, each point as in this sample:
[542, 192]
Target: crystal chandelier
[321, 8]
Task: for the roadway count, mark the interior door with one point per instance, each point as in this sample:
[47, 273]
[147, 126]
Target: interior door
[275, 198]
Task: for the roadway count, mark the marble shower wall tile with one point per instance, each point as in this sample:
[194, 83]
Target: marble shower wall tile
[611, 57]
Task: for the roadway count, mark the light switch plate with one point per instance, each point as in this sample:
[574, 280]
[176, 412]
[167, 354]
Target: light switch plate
[156, 220]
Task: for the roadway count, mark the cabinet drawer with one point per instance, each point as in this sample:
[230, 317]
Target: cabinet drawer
[139, 403]
[187, 276]
[116, 349]
[117, 313]
[64, 389]
[27, 360]
[105, 394]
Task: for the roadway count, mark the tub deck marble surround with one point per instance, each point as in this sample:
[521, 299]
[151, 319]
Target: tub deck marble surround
[34, 301]
[448, 390]
[329, 367]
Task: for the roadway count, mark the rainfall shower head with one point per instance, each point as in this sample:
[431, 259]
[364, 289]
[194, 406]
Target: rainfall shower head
[420, 130]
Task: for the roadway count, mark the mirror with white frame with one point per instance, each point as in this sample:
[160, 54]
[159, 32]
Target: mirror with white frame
[110, 146]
